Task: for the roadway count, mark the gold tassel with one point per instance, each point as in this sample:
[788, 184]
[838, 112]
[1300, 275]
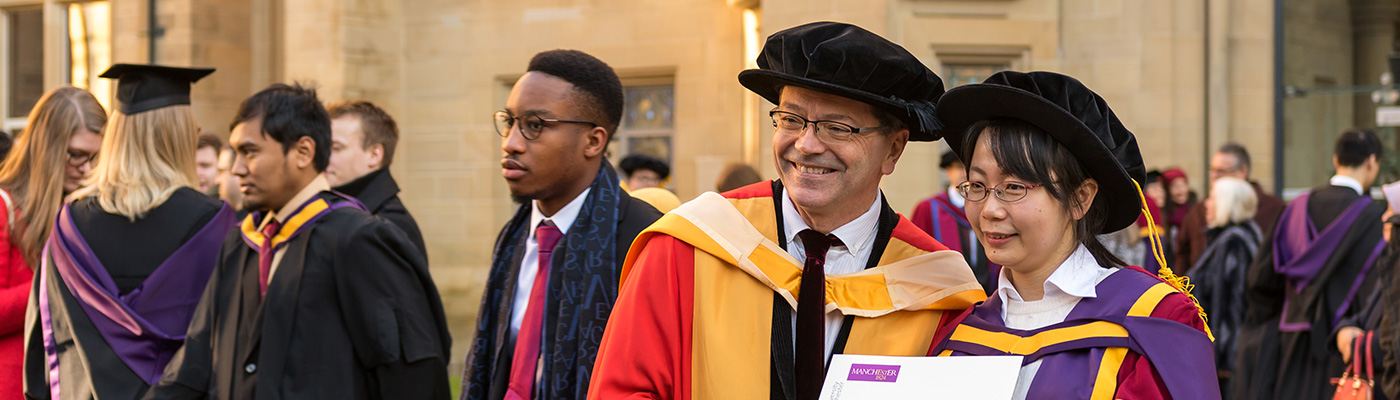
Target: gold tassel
[1181, 283]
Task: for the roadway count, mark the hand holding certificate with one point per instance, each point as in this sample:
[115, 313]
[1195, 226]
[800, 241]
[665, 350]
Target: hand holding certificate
[857, 377]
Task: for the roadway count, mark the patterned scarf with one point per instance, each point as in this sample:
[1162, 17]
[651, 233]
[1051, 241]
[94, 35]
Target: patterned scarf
[582, 282]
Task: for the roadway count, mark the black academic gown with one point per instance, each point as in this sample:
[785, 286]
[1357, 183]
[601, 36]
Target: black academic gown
[130, 251]
[379, 193]
[1274, 364]
[349, 314]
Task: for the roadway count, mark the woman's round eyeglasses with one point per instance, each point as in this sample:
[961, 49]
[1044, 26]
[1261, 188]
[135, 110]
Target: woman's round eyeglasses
[1009, 191]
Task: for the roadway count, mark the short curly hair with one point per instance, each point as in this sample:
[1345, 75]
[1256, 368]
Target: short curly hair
[597, 88]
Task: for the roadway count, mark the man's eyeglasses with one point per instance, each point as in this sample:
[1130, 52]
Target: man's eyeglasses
[78, 159]
[827, 131]
[1009, 191]
[530, 125]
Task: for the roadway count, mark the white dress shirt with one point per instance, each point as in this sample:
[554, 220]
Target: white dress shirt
[1347, 181]
[530, 263]
[858, 237]
[1073, 280]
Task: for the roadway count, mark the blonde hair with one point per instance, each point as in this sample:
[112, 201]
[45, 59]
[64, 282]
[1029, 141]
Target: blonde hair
[35, 169]
[1235, 202]
[145, 158]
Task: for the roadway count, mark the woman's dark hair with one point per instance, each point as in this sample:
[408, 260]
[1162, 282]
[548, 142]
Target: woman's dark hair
[1028, 153]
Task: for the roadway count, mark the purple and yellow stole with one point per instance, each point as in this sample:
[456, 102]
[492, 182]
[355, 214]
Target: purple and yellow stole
[302, 219]
[1081, 357]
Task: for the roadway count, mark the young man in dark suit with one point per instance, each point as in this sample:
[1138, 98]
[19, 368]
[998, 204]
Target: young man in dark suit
[555, 271]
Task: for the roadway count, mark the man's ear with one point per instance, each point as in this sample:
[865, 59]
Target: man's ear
[376, 156]
[303, 152]
[595, 142]
[897, 142]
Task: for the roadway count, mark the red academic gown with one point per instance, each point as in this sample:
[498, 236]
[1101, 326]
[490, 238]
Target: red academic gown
[657, 333]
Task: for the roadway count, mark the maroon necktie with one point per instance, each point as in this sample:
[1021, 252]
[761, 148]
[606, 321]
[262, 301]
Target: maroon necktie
[527, 342]
[265, 254]
[810, 364]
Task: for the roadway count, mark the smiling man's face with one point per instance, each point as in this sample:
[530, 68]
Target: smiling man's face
[837, 178]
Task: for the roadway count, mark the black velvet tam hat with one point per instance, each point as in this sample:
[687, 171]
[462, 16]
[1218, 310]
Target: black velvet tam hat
[1073, 115]
[148, 87]
[848, 61]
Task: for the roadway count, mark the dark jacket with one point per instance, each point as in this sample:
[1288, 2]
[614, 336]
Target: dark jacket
[1219, 286]
[380, 195]
[1191, 239]
[350, 315]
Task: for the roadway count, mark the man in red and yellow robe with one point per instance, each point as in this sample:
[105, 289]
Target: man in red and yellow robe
[694, 318]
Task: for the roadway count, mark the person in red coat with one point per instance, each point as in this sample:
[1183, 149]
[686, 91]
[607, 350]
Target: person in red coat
[49, 159]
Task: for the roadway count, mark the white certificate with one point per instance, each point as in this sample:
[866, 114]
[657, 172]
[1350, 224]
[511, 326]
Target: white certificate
[857, 377]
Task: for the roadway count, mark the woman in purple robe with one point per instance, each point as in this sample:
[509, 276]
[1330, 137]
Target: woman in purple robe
[130, 255]
[1049, 167]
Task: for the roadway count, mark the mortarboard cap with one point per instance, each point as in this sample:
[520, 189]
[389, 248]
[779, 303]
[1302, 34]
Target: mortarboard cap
[148, 87]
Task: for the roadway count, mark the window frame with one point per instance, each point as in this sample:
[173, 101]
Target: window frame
[56, 64]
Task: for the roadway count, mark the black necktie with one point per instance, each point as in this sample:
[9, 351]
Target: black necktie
[810, 365]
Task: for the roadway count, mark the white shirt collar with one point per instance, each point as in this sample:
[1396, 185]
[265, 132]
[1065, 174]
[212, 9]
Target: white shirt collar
[1347, 181]
[856, 235]
[956, 197]
[564, 218]
[1076, 277]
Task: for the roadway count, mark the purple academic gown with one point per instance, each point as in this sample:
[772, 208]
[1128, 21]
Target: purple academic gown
[1180, 354]
[143, 328]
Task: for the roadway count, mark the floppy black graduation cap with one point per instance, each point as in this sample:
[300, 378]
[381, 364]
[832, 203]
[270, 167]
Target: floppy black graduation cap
[1070, 113]
[849, 61]
[148, 87]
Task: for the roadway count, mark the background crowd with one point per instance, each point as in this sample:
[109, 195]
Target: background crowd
[1293, 289]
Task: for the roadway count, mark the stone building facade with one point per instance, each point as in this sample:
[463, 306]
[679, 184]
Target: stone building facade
[1184, 76]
